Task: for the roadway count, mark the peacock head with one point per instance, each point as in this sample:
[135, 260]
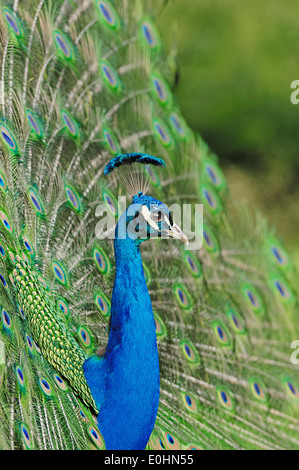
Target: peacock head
[148, 218]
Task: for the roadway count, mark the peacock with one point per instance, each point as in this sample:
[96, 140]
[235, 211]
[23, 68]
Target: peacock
[116, 330]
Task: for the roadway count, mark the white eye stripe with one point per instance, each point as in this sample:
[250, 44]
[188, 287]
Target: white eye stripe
[154, 217]
[147, 215]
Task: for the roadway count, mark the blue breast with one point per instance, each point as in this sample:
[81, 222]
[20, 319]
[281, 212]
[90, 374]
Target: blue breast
[125, 382]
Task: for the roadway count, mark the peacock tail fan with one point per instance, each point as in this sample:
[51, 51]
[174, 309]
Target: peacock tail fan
[82, 82]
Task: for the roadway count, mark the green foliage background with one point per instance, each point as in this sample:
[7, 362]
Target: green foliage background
[237, 59]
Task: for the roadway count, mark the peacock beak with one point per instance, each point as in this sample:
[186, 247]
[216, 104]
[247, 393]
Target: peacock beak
[175, 232]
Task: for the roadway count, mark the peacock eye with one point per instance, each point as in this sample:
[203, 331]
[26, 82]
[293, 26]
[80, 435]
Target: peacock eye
[156, 216]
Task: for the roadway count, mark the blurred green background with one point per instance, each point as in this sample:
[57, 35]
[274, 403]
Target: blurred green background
[237, 59]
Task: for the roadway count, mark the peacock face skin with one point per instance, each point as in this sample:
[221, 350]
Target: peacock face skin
[148, 218]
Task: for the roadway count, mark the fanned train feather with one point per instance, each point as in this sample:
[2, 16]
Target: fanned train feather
[82, 82]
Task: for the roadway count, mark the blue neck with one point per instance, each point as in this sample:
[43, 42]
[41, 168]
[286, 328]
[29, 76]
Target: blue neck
[125, 382]
[131, 303]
